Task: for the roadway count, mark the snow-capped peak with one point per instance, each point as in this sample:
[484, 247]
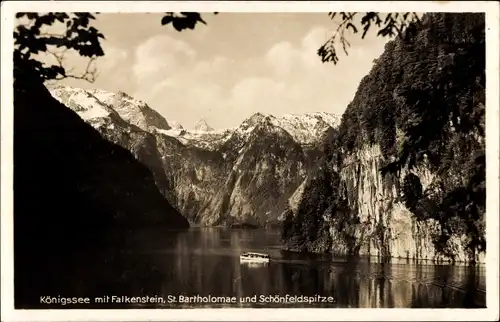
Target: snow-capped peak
[84, 103]
[202, 126]
[133, 110]
[99, 104]
[304, 128]
[175, 125]
[307, 128]
[95, 103]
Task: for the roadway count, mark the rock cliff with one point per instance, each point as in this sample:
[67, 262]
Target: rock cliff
[404, 174]
[386, 226]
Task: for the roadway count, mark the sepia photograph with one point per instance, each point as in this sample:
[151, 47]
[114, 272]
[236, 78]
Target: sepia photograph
[171, 157]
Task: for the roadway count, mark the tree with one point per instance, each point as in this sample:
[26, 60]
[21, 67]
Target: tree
[31, 39]
[74, 34]
[183, 20]
[389, 25]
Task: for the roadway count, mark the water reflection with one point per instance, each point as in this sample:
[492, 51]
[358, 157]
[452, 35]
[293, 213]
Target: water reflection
[206, 262]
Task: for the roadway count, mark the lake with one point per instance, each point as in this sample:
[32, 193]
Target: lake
[203, 263]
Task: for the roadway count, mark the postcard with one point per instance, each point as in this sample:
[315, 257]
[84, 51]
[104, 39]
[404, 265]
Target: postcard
[267, 160]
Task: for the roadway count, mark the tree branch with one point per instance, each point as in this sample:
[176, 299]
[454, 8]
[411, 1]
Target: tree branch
[89, 74]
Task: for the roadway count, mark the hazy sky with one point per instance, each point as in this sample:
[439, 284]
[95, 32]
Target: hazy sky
[236, 65]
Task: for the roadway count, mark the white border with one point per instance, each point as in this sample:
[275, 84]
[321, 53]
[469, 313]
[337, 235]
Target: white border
[492, 154]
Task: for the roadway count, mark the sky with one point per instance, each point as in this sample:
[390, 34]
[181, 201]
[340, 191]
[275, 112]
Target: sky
[232, 67]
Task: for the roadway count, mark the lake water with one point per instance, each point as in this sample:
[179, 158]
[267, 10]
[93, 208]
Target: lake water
[204, 263]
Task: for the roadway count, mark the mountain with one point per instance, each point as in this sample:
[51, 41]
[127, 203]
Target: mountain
[126, 126]
[74, 191]
[176, 126]
[404, 173]
[266, 170]
[208, 140]
[82, 174]
[306, 129]
[202, 126]
[242, 175]
[133, 111]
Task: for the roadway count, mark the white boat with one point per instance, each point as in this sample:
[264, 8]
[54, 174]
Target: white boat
[255, 257]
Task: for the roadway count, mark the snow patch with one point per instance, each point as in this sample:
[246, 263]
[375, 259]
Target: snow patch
[202, 126]
[96, 103]
[304, 128]
[84, 103]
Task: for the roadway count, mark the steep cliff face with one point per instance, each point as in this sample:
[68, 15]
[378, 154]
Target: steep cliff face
[126, 124]
[195, 174]
[74, 176]
[240, 175]
[386, 227]
[404, 174]
[269, 167]
[74, 192]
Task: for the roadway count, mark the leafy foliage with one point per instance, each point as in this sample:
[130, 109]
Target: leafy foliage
[423, 104]
[31, 38]
[183, 20]
[412, 190]
[81, 37]
[75, 33]
[389, 25]
[443, 120]
[324, 205]
[307, 226]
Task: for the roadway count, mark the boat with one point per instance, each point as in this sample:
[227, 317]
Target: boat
[255, 257]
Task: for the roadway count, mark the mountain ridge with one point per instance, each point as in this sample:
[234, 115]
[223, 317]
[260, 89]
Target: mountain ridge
[146, 118]
[190, 167]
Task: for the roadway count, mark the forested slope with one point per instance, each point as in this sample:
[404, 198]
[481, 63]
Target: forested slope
[405, 172]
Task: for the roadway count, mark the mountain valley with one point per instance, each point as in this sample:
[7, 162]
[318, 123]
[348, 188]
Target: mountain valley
[244, 175]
